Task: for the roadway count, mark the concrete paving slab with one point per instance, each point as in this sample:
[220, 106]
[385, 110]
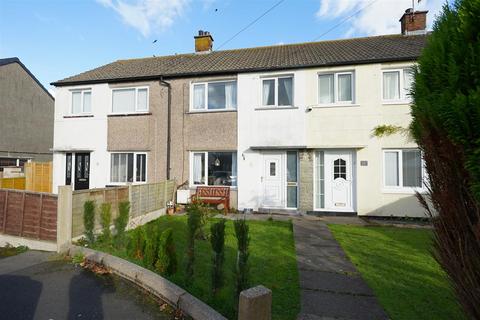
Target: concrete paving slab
[334, 282]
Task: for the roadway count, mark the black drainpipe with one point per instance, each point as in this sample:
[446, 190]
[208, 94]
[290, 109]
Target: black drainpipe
[169, 122]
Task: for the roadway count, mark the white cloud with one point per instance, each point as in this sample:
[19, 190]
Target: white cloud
[147, 16]
[381, 17]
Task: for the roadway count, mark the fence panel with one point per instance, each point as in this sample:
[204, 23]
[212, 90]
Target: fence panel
[12, 183]
[38, 176]
[28, 214]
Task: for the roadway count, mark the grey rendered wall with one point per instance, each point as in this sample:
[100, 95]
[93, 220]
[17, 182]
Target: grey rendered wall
[26, 115]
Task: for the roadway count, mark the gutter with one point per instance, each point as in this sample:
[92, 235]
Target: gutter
[169, 122]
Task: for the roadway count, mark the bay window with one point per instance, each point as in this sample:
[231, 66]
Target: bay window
[396, 84]
[336, 88]
[403, 168]
[130, 100]
[213, 168]
[81, 102]
[277, 91]
[218, 95]
[128, 167]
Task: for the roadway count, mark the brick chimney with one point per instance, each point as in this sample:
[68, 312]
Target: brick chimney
[414, 22]
[203, 42]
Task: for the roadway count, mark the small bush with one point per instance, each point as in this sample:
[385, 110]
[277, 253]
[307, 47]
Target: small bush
[166, 256]
[136, 244]
[217, 241]
[89, 220]
[121, 222]
[241, 271]
[78, 258]
[106, 221]
[193, 224]
[149, 253]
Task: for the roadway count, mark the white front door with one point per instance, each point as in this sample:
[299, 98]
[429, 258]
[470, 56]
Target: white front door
[272, 178]
[338, 180]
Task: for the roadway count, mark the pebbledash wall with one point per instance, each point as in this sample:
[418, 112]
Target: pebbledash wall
[308, 127]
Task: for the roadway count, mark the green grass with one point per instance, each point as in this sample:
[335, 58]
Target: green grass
[397, 264]
[272, 263]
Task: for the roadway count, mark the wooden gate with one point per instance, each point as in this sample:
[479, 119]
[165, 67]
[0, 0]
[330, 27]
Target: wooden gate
[38, 176]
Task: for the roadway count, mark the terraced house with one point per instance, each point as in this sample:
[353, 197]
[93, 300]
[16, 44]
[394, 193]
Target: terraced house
[288, 128]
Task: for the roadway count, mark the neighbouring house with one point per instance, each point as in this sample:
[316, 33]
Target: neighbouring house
[288, 128]
[26, 116]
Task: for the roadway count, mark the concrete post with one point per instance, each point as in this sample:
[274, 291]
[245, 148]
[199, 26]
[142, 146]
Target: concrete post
[64, 218]
[255, 303]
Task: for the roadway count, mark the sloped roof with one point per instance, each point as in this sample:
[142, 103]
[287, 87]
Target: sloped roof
[6, 61]
[303, 55]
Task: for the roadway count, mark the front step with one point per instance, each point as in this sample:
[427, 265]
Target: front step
[332, 213]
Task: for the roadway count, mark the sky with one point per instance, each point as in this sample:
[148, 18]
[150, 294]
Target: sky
[60, 38]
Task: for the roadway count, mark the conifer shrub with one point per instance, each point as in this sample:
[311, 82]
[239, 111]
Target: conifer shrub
[106, 221]
[121, 222]
[193, 224]
[89, 220]
[166, 257]
[242, 269]
[217, 240]
[136, 243]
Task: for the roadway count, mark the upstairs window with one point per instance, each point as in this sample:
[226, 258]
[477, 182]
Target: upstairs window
[130, 100]
[335, 88]
[81, 101]
[397, 84]
[219, 95]
[277, 92]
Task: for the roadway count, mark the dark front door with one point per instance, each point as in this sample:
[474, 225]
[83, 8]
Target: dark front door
[82, 171]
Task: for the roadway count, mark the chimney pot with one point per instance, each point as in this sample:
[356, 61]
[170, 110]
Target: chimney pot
[413, 22]
[203, 42]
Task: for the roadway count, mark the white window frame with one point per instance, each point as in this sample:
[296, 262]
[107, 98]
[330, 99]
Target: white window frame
[136, 100]
[82, 94]
[190, 178]
[403, 98]
[134, 168]
[275, 78]
[400, 188]
[336, 102]
[205, 108]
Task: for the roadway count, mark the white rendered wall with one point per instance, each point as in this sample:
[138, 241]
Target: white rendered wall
[89, 134]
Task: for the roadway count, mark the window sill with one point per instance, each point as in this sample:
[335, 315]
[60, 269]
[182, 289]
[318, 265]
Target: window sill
[210, 111]
[78, 116]
[403, 190]
[113, 115]
[397, 102]
[336, 105]
[276, 108]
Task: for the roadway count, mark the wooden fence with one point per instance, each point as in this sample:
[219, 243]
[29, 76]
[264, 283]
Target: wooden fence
[28, 214]
[38, 176]
[143, 199]
[12, 183]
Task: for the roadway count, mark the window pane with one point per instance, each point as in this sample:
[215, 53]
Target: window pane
[391, 85]
[412, 168]
[231, 95]
[141, 167]
[199, 96]
[220, 169]
[76, 102]
[122, 171]
[198, 168]
[344, 87]
[391, 169]
[407, 82]
[273, 171]
[129, 167]
[291, 166]
[123, 100]
[114, 167]
[325, 83]
[268, 93]
[292, 196]
[87, 101]
[216, 95]
[142, 100]
[285, 91]
[319, 180]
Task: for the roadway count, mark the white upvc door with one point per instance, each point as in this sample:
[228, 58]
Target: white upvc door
[338, 180]
[273, 181]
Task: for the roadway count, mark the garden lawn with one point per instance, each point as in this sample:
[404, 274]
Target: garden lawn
[398, 265]
[272, 263]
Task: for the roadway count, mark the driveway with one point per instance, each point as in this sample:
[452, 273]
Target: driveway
[33, 286]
